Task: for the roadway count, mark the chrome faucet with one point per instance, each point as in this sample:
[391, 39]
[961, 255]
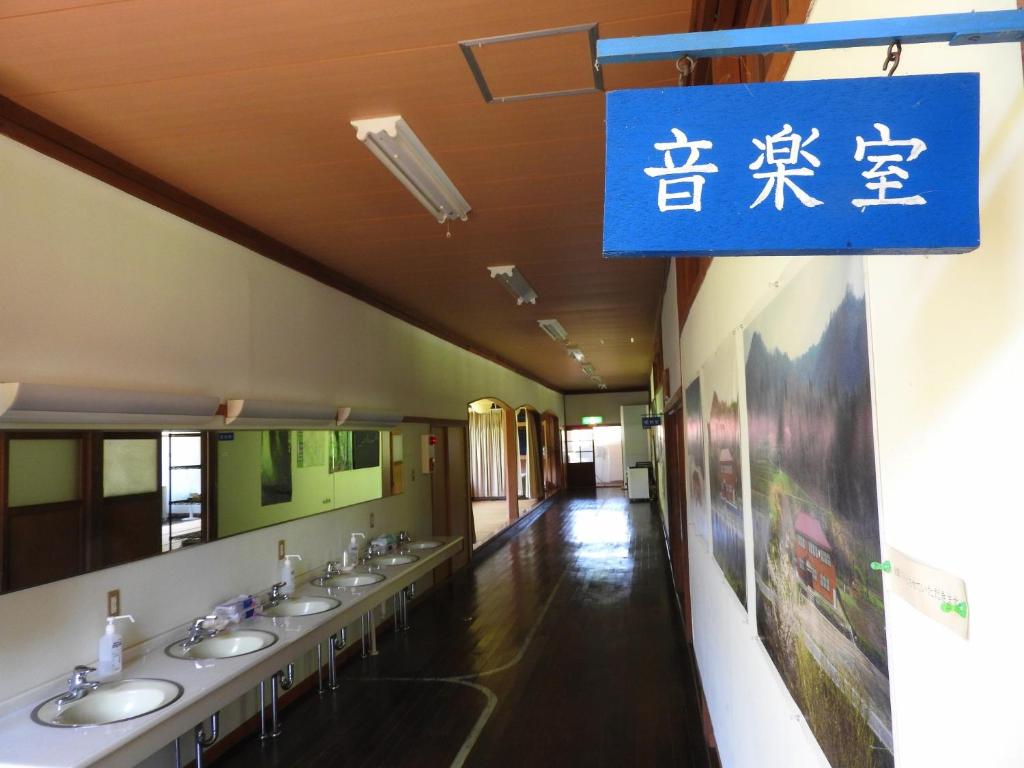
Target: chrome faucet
[367, 559]
[78, 685]
[403, 538]
[276, 595]
[198, 631]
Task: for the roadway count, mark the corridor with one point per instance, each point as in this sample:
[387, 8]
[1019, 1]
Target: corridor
[562, 646]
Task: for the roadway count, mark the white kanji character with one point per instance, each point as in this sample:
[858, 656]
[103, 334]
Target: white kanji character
[690, 166]
[783, 150]
[878, 177]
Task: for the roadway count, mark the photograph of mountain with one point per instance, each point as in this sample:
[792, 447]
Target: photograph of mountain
[696, 492]
[725, 470]
[820, 607]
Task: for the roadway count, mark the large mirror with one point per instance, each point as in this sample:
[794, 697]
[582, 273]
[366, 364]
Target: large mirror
[77, 501]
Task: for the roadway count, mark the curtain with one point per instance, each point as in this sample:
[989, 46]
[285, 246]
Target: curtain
[487, 453]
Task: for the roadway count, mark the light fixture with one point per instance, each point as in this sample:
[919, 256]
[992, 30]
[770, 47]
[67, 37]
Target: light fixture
[588, 369]
[554, 329]
[253, 413]
[57, 404]
[353, 418]
[516, 284]
[577, 353]
[393, 142]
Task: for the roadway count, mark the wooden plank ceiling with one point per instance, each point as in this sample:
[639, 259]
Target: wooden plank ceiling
[246, 104]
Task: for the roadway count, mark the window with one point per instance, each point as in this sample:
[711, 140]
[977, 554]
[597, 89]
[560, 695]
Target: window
[580, 446]
[824, 582]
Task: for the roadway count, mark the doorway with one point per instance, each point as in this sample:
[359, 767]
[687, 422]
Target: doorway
[608, 456]
[579, 450]
[494, 473]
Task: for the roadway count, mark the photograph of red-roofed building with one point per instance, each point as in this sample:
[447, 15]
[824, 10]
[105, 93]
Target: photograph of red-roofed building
[814, 562]
[820, 608]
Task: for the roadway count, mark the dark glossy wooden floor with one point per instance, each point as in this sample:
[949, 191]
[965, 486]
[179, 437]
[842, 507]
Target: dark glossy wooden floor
[561, 646]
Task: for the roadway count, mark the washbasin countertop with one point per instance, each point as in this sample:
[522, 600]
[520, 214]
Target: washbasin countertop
[209, 684]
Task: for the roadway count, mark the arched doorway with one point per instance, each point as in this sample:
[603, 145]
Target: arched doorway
[493, 469]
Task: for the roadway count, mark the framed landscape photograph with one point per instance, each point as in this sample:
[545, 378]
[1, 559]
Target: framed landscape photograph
[820, 607]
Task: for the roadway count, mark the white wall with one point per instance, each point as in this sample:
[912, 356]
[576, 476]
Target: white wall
[101, 289]
[947, 336]
[634, 437]
[604, 404]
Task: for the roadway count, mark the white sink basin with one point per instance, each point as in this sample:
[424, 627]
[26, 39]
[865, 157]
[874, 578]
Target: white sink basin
[395, 560]
[425, 544]
[225, 645]
[354, 580]
[110, 703]
[301, 606]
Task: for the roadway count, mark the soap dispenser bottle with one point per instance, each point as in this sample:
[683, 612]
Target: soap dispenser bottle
[353, 549]
[110, 648]
[287, 576]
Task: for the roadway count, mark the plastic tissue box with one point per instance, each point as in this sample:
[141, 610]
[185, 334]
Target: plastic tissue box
[242, 607]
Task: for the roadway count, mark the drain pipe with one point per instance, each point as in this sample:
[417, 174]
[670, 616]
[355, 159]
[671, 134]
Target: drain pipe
[334, 643]
[206, 740]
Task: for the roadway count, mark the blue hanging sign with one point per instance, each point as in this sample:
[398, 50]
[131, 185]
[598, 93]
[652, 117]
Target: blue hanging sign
[870, 165]
[647, 422]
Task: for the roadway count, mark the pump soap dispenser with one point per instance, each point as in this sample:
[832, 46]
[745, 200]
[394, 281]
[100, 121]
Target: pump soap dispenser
[288, 573]
[110, 647]
[350, 557]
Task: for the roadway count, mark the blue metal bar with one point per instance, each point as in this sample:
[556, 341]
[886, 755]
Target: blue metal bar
[954, 28]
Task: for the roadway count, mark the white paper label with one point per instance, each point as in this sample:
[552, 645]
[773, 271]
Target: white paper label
[929, 589]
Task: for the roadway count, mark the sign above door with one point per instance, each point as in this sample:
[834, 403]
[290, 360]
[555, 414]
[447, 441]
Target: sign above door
[861, 166]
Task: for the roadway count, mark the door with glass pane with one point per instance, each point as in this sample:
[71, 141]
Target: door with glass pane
[579, 448]
[43, 518]
[127, 517]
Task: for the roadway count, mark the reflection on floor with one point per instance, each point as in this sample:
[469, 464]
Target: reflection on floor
[491, 517]
[561, 647]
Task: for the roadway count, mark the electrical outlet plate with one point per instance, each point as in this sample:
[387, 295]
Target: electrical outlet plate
[114, 602]
[280, 549]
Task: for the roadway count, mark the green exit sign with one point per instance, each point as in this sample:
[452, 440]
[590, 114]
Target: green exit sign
[592, 420]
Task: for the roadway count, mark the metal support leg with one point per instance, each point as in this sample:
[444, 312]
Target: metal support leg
[362, 637]
[372, 632]
[405, 610]
[263, 710]
[205, 740]
[332, 663]
[275, 727]
[320, 668]
[177, 752]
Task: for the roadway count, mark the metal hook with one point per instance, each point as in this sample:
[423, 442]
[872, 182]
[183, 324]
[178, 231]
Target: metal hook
[448, 234]
[892, 56]
[684, 66]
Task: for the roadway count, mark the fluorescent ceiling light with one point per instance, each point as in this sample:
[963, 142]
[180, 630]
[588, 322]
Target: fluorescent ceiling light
[516, 284]
[54, 404]
[554, 329]
[392, 141]
[577, 353]
[273, 412]
[357, 418]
